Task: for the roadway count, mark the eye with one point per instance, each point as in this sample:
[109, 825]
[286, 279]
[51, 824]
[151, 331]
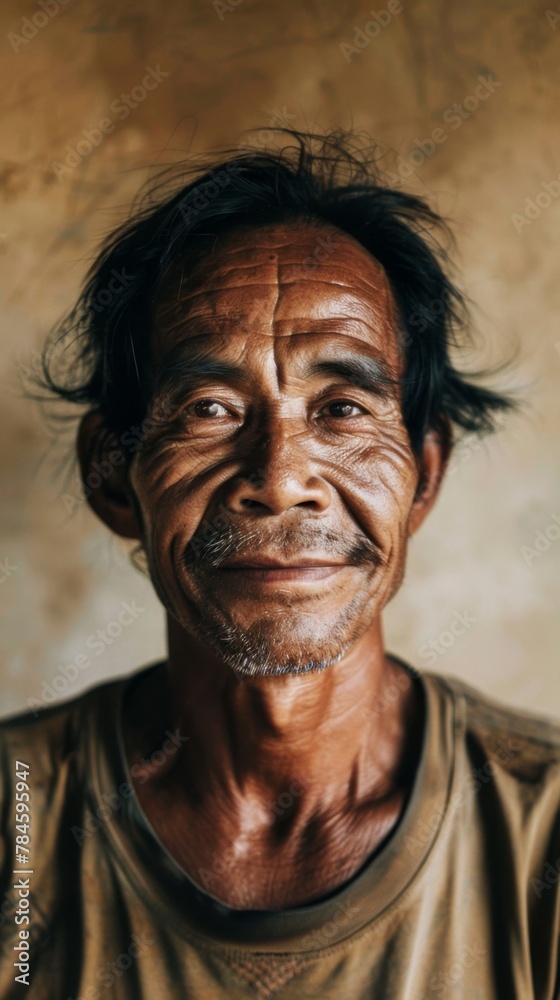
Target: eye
[208, 408]
[343, 408]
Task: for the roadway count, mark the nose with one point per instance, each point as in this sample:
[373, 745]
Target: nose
[278, 479]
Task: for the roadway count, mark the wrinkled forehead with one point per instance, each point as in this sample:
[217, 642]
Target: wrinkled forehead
[277, 281]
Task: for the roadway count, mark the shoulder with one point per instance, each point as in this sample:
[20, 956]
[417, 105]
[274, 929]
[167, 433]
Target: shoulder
[504, 808]
[487, 720]
[48, 740]
[46, 735]
[513, 753]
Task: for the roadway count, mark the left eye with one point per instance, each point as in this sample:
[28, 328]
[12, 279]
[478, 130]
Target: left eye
[208, 408]
[344, 408]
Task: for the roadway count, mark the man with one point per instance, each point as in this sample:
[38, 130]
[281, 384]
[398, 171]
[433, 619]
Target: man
[281, 808]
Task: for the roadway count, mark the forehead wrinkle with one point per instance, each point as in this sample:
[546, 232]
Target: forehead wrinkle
[370, 291]
[275, 345]
[169, 308]
[342, 258]
[202, 292]
[346, 247]
[355, 281]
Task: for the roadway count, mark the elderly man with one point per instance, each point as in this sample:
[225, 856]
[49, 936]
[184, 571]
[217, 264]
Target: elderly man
[281, 808]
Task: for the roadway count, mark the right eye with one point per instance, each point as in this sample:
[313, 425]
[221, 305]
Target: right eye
[205, 408]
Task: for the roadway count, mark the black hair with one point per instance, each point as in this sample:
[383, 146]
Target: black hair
[333, 179]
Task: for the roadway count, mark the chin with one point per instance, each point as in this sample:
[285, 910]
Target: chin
[266, 664]
[283, 644]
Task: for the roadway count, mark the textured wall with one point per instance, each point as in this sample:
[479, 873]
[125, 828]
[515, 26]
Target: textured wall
[217, 68]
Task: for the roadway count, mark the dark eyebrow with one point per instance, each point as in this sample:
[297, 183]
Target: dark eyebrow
[371, 374]
[182, 372]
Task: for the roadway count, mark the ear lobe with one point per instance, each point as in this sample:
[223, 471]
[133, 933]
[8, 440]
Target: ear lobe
[432, 463]
[104, 469]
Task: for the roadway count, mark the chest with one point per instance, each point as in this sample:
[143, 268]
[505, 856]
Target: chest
[275, 867]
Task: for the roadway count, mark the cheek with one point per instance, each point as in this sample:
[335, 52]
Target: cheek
[174, 490]
[376, 480]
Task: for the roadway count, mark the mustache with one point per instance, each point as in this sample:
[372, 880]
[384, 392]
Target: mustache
[209, 548]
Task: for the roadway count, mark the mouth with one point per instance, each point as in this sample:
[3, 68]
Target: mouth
[267, 570]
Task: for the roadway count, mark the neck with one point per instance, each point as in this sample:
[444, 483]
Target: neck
[334, 739]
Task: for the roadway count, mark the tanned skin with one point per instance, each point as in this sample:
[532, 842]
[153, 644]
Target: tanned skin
[304, 466]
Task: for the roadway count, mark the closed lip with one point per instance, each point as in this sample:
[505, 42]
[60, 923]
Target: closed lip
[263, 562]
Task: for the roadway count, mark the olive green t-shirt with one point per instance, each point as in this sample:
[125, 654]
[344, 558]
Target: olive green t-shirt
[462, 901]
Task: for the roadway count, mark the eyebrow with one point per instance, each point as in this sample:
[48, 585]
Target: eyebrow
[365, 372]
[182, 372]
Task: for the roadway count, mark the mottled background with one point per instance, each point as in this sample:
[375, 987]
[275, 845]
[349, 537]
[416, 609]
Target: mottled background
[245, 65]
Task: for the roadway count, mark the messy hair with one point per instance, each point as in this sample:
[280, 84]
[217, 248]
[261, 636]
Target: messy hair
[333, 179]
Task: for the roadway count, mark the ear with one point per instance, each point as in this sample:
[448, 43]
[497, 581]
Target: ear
[104, 469]
[431, 464]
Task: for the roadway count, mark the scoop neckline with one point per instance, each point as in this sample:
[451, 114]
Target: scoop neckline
[199, 916]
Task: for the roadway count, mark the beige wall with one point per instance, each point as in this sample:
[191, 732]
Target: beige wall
[246, 66]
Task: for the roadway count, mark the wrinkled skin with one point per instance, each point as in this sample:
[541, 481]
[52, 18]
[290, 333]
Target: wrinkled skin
[270, 668]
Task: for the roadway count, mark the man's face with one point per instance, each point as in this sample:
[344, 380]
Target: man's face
[276, 356]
